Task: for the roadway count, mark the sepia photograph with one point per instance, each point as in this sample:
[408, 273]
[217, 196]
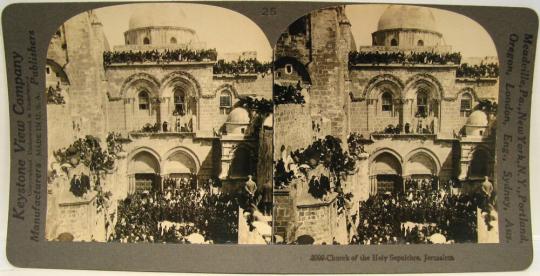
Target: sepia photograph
[159, 126]
[384, 128]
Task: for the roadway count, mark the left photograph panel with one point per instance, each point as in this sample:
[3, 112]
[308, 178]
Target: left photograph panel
[159, 127]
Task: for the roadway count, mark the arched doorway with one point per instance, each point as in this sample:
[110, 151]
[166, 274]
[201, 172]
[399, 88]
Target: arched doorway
[180, 168]
[144, 172]
[480, 163]
[422, 170]
[385, 174]
[242, 163]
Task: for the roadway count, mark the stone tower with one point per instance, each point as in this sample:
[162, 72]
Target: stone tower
[75, 63]
[320, 43]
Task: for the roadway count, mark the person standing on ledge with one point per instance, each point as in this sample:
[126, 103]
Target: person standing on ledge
[165, 124]
[250, 188]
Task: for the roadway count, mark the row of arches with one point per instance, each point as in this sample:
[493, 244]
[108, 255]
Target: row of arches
[421, 161]
[146, 167]
[415, 104]
[176, 160]
[423, 89]
[175, 100]
[388, 168]
[390, 92]
[176, 83]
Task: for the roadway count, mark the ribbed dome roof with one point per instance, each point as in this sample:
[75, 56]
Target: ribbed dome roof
[238, 115]
[407, 17]
[478, 118]
[157, 16]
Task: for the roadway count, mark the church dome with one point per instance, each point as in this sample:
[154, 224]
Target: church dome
[238, 115]
[407, 17]
[477, 118]
[153, 16]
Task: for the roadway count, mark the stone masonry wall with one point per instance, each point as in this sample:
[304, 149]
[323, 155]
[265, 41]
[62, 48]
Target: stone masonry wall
[404, 146]
[60, 133]
[265, 158]
[283, 214]
[330, 49]
[292, 127]
[297, 44]
[318, 221]
[123, 105]
[76, 46]
[367, 115]
[86, 42]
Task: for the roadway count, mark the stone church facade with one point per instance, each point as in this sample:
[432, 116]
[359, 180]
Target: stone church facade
[441, 134]
[206, 135]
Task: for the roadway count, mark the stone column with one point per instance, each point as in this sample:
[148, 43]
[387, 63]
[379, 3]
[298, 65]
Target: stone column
[226, 158]
[407, 114]
[464, 165]
[464, 162]
[163, 112]
[361, 190]
[131, 184]
[373, 185]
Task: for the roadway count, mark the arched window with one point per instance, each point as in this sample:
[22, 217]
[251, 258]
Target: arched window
[146, 41]
[393, 42]
[225, 102]
[173, 40]
[422, 103]
[420, 43]
[179, 103]
[387, 104]
[288, 69]
[144, 100]
[466, 105]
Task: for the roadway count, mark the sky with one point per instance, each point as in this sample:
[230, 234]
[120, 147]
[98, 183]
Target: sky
[229, 31]
[462, 33]
[223, 29]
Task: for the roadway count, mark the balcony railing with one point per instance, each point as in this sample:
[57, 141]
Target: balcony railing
[159, 56]
[242, 67]
[140, 134]
[478, 71]
[402, 57]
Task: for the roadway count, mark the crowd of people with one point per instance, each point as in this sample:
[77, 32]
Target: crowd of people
[416, 215]
[288, 95]
[179, 126]
[54, 95]
[248, 66]
[477, 71]
[423, 126]
[177, 212]
[426, 57]
[163, 56]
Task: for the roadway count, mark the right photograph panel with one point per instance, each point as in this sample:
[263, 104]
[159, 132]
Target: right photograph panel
[384, 128]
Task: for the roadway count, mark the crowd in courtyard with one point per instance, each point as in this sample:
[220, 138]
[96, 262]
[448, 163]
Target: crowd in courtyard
[181, 211]
[417, 214]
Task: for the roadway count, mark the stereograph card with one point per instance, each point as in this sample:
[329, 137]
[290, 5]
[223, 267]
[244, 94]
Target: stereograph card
[269, 137]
